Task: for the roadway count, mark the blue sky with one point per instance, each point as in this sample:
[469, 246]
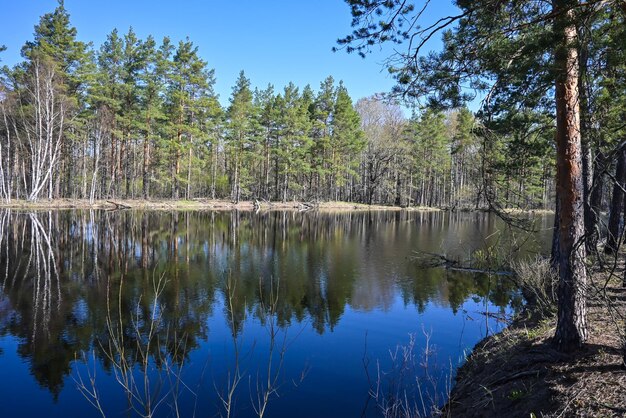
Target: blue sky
[274, 41]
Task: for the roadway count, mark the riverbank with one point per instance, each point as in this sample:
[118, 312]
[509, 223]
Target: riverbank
[518, 373]
[221, 204]
[196, 204]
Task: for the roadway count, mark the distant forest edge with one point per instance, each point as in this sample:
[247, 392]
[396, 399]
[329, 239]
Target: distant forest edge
[134, 119]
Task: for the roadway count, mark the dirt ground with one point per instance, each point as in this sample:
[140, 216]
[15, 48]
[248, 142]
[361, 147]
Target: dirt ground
[518, 373]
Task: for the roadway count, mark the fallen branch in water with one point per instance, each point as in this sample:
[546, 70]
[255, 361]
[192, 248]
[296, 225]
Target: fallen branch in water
[118, 206]
[305, 206]
[433, 260]
[483, 271]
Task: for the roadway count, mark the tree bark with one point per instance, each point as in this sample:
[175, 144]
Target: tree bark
[555, 252]
[146, 160]
[571, 330]
[617, 205]
[592, 217]
[591, 241]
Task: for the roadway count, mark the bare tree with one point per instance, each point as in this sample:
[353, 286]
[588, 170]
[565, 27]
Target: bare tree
[100, 128]
[383, 124]
[6, 183]
[38, 121]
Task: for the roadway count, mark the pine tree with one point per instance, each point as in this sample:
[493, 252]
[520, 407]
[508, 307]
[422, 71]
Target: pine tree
[190, 83]
[346, 141]
[134, 62]
[152, 82]
[55, 38]
[432, 156]
[241, 134]
[321, 130]
[463, 146]
[108, 94]
[269, 113]
[293, 145]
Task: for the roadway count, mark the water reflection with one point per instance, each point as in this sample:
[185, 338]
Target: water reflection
[76, 282]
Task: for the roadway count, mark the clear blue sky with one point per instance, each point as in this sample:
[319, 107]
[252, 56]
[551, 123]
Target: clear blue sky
[274, 41]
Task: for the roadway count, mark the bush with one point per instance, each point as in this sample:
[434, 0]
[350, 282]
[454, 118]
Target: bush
[538, 283]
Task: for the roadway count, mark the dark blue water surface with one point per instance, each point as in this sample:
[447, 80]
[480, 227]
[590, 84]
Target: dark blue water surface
[315, 314]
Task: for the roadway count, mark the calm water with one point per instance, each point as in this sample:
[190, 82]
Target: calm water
[158, 311]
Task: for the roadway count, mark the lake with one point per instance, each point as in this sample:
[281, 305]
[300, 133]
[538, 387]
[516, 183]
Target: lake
[128, 313]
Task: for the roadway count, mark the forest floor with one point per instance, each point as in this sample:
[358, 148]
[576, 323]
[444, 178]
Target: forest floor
[196, 204]
[518, 372]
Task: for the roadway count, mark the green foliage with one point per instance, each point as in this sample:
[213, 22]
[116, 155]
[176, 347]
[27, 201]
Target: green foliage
[347, 138]
[431, 154]
[55, 38]
[145, 122]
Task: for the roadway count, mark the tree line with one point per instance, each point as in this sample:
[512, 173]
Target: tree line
[135, 118]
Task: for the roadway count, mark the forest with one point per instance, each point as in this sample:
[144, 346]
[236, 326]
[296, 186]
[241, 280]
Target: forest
[134, 118]
[139, 119]
[518, 116]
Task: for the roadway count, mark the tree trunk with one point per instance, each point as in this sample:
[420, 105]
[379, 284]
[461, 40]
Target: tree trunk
[188, 194]
[83, 191]
[121, 155]
[592, 216]
[127, 176]
[617, 204]
[571, 330]
[266, 183]
[624, 275]
[176, 166]
[214, 168]
[146, 161]
[398, 200]
[554, 254]
[588, 172]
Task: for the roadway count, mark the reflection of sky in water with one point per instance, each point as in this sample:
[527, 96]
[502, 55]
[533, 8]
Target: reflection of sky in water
[348, 286]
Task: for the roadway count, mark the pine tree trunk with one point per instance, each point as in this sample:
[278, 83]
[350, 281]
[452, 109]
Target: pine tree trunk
[624, 275]
[588, 172]
[176, 167]
[146, 161]
[127, 192]
[555, 251]
[595, 198]
[571, 330]
[617, 204]
[398, 200]
[266, 183]
[83, 191]
[213, 177]
[235, 193]
[120, 166]
[111, 189]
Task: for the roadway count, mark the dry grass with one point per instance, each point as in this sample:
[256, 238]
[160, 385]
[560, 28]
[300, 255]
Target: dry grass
[195, 204]
[513, 211]
[518, 373]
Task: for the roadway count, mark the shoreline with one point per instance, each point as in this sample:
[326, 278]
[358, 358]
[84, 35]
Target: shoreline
[518, 373]
[198, 204]
[226, 205]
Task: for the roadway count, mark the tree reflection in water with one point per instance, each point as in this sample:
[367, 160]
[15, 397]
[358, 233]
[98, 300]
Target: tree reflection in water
[89, 282]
